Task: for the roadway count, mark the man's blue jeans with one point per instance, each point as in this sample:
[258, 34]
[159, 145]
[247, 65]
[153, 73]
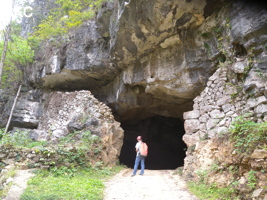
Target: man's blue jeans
[139, 159]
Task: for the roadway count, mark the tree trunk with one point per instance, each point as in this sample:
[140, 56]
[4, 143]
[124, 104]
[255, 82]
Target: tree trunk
[12, 110]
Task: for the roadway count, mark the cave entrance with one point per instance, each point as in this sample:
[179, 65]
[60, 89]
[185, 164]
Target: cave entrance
[163, 136]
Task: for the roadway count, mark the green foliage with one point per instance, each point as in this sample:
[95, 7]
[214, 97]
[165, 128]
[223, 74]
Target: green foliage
[19, 55]
[58, 184]
[206, 35]
[75, 156]
[202, 175]
[4, 176]
[19, 139]
[2, 131]
[214, 167]
[84, 139]
[68, 14]
[20, 52]
[210, 192]
[204, 190]
[252, 180]
[247, 135]
[63, 171]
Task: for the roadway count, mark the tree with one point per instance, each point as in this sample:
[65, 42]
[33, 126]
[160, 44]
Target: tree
[66, 15]
[6, 38]
[18, 56]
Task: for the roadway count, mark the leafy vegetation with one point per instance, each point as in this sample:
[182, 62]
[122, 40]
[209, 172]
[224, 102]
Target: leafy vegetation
[252, 180]
[19, 55]
[67, 15]
[58, 184]
[9, 174]
[210, 192]
[79, 179]
[247, 135]
[19, 139]
[2, 131]
[204, 190]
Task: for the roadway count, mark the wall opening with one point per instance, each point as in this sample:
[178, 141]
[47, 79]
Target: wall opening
[164, 138]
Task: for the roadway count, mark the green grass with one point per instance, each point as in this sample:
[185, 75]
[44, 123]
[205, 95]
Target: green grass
[83, 184]
[210, 192]
[248, 135]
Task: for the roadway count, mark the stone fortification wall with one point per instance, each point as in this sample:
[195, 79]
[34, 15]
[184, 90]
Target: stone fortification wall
[229, 94]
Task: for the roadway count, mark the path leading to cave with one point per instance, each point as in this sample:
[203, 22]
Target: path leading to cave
[19, 184]
[154, 184]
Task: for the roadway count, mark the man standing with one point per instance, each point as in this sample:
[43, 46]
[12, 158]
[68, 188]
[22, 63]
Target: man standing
[139, 158]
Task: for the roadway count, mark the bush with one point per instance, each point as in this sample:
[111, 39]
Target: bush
[19, 138]
[247, 135]
[1, 133]
[68, 14]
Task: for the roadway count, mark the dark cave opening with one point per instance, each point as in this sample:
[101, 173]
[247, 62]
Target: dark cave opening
[163, 136]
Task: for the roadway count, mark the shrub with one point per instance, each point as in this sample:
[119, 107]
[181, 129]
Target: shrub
[247, 135]
[68, 14]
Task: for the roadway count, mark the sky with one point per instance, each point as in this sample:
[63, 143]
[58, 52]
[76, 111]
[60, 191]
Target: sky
[18, 12]
[5, 12]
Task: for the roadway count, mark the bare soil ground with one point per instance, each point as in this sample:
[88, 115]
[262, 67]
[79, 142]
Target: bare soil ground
[154, 184]
[19, 184]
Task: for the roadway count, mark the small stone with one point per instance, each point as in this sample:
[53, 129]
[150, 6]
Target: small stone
[44, 166]
[191, 126]
[23, 167]
[2, 156]
[204, 118]
[260, 109]
[190, 140]
[257, 192]
[205, 109]
[223, 100]
[209, 83]
[239, 67]
[216, 114]
[226, 108]
[212, 123]
[191, 114]
[259, 153]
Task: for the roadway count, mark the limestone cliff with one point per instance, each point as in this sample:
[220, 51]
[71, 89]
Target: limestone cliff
[201, 61]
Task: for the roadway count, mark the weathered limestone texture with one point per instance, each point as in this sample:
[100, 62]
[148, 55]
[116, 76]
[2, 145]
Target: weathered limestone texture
[214, 109]
[225, 167]
[238, 87]
[201, 60]
[28, 110]
[67, 112]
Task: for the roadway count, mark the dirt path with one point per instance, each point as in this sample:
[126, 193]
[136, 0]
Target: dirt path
[19, 184]
[154, 184]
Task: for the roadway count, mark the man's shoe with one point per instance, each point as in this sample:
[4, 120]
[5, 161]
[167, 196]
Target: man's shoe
[132, 175]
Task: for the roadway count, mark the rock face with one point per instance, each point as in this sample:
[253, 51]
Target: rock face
[28, 110]
[197, 60]
[237, 88]
[148, 52]
[67, 112]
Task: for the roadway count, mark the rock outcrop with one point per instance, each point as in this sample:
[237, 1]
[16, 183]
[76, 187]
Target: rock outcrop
[237, 88]
[148, 52]
[199, 60]
[67, 112]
